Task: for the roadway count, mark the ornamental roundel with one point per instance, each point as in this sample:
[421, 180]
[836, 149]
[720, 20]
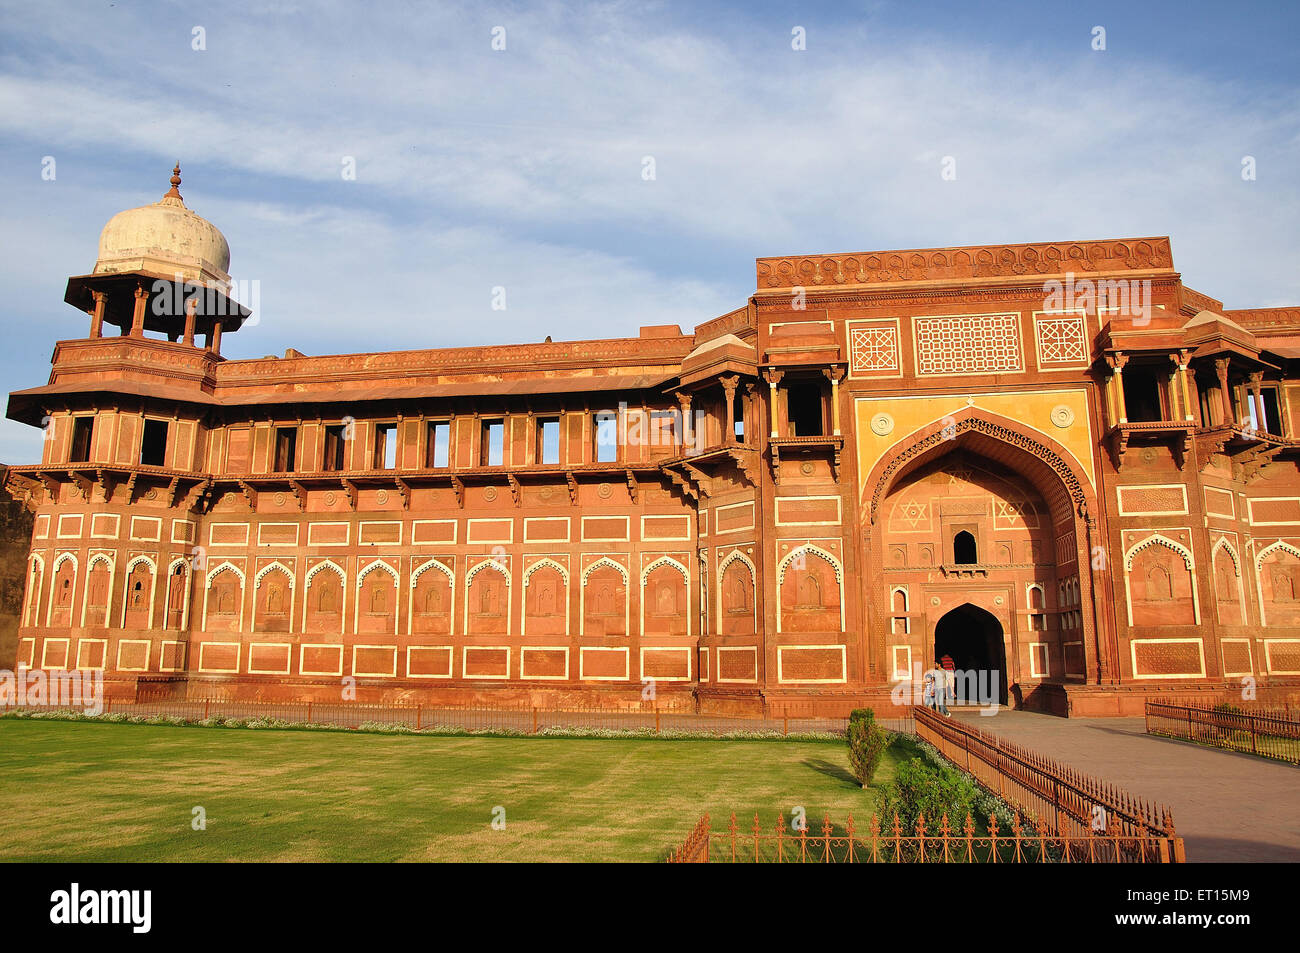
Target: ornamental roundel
[381, 497]
[152, 494]
[605, 491]
[490, 493]
[546, 493]
[330, 497]
[1062, 416]
[279, 499]
[882, 425]
[806, 468]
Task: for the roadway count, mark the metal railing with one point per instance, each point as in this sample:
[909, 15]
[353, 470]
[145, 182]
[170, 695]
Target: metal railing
[944, 844]
[1269, 733]
[1074, 807]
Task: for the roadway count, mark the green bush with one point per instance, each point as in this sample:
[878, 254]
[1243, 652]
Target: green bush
[867, 744]
[919, 789]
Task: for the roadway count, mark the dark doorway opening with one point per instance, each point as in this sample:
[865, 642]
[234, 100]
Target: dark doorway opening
[804, 409]
[964, 552]
[1142, 394]
[972, 638]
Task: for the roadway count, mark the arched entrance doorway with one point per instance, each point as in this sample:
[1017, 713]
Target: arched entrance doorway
[972, 638]
[1025, 504]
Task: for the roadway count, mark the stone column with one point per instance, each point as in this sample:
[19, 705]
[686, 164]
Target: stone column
[214, 339]
[137, 317]
[1255, 380]
[1117, 366]
[687, 437]
[773, 378]
[1182, 358]
[729, 383]
[191, 306]
[1225, 395]
[834, 374]
[97, 316]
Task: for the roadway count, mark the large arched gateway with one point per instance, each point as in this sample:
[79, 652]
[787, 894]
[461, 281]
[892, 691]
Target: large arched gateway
[980, 541]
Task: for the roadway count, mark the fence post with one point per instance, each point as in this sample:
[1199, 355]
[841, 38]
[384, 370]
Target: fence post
[207, 705]
[1252, 734]
[656, 719]
[785, 723]
[418, 709]
[309, 713]
[534, 719]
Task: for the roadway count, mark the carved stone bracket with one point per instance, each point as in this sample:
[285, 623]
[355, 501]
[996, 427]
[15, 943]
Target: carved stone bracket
[573, 486]
[516, 490]
[405, 490]
[631, 486]
[459, 489]
[250, 495]
[350, 489]
[299, 494]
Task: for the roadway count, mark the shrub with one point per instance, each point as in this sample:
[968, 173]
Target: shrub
[919, 789]
[867, 744]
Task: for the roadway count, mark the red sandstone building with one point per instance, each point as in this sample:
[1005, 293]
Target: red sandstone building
[879, 459]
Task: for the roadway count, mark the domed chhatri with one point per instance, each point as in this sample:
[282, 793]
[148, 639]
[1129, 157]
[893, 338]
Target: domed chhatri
[167, 239]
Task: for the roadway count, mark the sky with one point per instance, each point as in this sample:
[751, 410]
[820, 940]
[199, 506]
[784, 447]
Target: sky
[622, 164]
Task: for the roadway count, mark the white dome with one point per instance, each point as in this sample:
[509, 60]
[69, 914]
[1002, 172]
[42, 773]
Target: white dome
[165, 238]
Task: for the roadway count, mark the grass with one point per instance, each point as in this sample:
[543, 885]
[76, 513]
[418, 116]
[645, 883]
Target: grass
[82, 791]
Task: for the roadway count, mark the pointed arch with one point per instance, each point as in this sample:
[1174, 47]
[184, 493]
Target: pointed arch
[1157, 539]
[494, 565]
[177, 604]
[805, 550]
[1234, 561]
[329, 566]
[54, 600]
[546, 562]
[604, 562]
[736, 556]
[437, 566]
[127, 608]
[98, 559]
[260, 610]
[35, 586]
[1279, 546]
[667, 562]
[375, 565]
[224, 566]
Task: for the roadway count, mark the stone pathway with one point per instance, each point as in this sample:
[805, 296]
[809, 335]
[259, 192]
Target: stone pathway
[1226, 806]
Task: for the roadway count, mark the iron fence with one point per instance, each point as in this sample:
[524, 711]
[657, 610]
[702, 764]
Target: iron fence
[1075, 808]
[944, 844]
[1269, 733]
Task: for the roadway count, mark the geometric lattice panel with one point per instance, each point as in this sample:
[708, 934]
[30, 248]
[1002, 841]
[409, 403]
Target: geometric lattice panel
[873, 349]
[1062, 340]
[968, 344]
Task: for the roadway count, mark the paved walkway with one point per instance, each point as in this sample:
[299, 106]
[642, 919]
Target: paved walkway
[1226, 806]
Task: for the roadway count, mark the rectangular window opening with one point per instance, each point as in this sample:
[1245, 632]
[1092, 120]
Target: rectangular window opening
[335, 441]
[153, 443]
[438, 453]
[385, 446]
[548, 440]
[493, 449]
[607, 438]
[83, 429]
[286, 447]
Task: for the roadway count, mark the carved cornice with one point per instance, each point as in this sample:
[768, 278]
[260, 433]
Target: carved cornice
[976, 261]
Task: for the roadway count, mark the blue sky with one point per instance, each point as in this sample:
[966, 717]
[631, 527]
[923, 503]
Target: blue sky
[522, 168]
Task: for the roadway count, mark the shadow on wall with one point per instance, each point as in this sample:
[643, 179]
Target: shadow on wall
[15, 542]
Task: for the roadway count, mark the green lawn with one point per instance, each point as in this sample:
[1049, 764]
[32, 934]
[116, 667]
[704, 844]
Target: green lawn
[79, 791]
